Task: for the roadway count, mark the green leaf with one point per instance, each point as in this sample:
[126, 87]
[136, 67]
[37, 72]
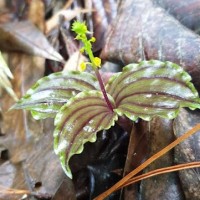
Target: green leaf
[50, 93]
[152, 88]
[78, 121]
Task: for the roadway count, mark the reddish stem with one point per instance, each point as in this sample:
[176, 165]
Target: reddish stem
[103, 89]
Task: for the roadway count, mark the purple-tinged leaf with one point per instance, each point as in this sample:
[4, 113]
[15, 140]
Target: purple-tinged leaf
[50, 93]
[152, 88]
[78, 121]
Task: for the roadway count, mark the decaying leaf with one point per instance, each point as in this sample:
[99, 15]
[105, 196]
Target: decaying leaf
[25, 37]
[9, 176]
[41, 162]
[159, 135]
[103, 13]
[66, 190]
[188, 151]
[34, 174]
[187, 12]
[19, 125]
[139, 33]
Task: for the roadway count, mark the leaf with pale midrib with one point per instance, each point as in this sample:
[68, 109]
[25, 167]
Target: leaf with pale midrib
[50, 93]
[78, 121]
[152, 88]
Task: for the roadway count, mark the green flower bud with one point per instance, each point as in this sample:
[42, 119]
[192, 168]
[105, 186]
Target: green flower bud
[79, 27]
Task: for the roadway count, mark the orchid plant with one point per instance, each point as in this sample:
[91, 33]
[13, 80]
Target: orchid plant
[82, 105]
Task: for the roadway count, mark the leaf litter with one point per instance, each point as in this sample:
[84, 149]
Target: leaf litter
[127, 42]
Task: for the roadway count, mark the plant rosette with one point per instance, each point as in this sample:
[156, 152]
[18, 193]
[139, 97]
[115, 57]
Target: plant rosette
[82, 106]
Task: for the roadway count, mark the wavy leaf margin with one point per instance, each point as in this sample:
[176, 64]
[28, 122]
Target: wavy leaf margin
[78, 121]
[45, 98]
[152, 88]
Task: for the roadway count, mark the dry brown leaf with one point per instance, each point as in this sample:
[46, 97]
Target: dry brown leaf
[139, 33]
[135, 155]
[103, 13]
[66, 190]
[187, 12]
[9, 176]
[188, 151]
[40, 172]
[30, 142]
[36, 14]
[44, 173]
[19, 125]
[25, 37]
[160, 134]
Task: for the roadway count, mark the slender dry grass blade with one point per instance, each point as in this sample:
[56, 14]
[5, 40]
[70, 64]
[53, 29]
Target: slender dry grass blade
[163, 170]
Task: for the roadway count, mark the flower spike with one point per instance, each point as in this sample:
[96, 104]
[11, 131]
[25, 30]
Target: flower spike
[82, 66]
[79, 27]
[81, 30]
[97, 61]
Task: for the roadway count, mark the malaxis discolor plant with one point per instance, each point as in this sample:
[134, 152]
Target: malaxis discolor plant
[82, 106]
